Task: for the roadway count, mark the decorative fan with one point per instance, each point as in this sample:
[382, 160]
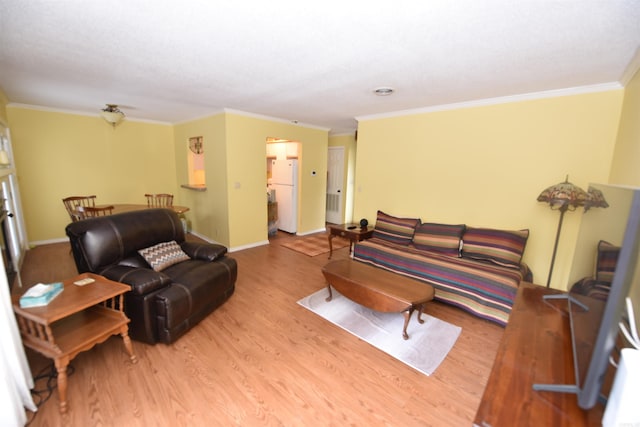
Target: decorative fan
[196, 145]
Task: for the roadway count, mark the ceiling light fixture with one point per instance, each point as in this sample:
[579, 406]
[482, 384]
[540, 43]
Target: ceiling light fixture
[383, 91]
[112, 114]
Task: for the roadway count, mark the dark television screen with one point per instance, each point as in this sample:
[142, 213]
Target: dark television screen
[604, 272]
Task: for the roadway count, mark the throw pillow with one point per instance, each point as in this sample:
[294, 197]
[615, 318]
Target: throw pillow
[394, 229]
[163, 255]
[607, 260]
[443, 238]
[502, 247]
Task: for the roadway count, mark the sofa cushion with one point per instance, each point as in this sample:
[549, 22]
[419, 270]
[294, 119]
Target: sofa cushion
[142, 280]
[502, 247]
[135, 260]
[443, 238]
[163, 255]
[202, 251]
[394, 229]
[606, 261]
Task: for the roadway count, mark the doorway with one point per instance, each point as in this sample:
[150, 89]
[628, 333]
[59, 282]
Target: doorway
[335, 184]
[282, 186]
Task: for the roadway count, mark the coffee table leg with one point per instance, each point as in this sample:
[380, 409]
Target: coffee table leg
[330, 237]
[330, 295]
[407, 315]
[420, 311]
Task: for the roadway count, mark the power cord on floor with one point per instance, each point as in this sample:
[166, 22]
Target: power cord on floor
[44, 383]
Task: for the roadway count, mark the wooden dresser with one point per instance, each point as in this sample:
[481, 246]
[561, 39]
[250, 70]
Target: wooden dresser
[535, 348]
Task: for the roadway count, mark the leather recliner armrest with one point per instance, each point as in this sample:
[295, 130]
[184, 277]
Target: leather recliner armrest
[141, 280]
[203, 251]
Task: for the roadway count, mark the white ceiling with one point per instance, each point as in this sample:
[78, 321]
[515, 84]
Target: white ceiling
[314, 62]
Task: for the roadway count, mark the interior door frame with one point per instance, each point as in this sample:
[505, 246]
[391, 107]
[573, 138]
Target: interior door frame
[335, 198]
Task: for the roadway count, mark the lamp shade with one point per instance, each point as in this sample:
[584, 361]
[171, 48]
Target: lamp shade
[112, 114]
[596, 199]
[564, 196]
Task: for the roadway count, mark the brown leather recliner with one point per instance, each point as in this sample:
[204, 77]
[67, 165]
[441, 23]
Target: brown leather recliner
[162, 305]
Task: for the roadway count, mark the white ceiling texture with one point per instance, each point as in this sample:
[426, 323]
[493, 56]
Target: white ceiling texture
[315, 62]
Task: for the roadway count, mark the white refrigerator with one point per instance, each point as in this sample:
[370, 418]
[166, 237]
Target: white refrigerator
[284, 179]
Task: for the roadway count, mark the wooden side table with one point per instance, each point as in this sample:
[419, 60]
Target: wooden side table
[353, 232]
[76, 320]
[535, 348]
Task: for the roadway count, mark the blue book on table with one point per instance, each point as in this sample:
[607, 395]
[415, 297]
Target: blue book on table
[41, 294]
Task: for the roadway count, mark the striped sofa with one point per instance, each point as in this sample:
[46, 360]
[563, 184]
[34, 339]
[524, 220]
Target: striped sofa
[476, 269]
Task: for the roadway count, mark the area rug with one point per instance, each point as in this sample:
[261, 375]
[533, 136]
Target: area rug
[428, 343]
[315, 244]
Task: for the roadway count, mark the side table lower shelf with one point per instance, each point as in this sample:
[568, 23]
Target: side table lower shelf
[81, 331]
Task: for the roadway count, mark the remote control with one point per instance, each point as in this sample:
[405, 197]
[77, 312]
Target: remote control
[83, 282]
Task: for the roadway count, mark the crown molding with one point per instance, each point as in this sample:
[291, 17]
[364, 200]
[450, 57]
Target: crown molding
[345, 133]
[499, 100]
[275, 119]
[80, 113]
[204, 116]
[631, 69]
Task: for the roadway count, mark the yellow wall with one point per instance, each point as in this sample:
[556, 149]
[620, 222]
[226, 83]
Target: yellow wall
[485, 167]
[209, 214]
[59, 155]
[233, 209]
[247, 176]
[625, 168]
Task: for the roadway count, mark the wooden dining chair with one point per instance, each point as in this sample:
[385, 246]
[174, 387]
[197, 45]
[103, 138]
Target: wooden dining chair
[161, 200]
[91, 211]
[72, 204]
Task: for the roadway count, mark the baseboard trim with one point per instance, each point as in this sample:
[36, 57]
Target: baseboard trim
[249, 246]
[306, 233]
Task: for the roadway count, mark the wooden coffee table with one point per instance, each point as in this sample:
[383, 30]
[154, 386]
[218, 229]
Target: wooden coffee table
[378, 289]
[353, 232]
[76, 320]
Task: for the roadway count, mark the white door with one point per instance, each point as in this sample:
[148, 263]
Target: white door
[335, 179]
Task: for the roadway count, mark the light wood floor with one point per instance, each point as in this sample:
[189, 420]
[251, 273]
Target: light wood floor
[261, 359]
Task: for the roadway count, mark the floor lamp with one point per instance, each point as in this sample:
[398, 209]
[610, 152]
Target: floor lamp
[564, 197]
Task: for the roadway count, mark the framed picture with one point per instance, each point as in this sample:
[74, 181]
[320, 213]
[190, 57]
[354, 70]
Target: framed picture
[196, 145]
